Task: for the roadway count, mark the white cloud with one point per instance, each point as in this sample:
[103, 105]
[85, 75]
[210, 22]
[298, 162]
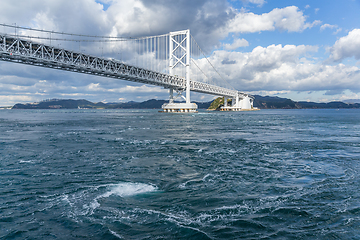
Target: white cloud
[285, 68]
[270, 93]
[348, 46]
[137, 89]
[95, 87]
[10, 100]
[236, 44]
[205, 19]
[325, 26]
[337, 31]
[349, 95]
[257, 2]
[78, 16]
[289, 19]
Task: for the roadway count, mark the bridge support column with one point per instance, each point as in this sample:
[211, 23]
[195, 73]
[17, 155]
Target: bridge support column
[187, 68]
[171, 100]
[179, 55]
[237, 106]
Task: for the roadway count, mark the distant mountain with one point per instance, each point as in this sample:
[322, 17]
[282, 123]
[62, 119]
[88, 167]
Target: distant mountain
[261, 102]
[285, 103]
[274, 103]
[352, 101]
[149, 104]
[60, 104]
[74, 104]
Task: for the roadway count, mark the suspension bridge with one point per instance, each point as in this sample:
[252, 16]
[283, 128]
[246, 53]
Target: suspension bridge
[173, 61]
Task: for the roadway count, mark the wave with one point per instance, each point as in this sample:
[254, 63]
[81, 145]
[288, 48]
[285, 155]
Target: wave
[87, 201]
[129, 189]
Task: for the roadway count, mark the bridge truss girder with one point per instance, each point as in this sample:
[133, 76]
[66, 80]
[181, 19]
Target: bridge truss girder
[36, 54]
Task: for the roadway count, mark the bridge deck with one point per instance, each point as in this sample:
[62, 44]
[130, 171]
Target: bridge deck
[36, 54]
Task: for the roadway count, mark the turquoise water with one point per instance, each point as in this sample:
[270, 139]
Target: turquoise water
[140, 174]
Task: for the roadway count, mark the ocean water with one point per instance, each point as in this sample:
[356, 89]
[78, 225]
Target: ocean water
[141, 174]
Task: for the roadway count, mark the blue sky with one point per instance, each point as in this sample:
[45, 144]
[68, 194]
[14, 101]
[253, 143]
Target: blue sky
[303, 50]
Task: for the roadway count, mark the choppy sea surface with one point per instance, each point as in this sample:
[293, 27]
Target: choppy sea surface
[141, 174]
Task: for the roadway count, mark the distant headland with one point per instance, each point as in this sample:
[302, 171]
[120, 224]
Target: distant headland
[259, 102]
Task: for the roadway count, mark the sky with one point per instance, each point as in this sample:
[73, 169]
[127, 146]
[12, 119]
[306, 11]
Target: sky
[299, 49]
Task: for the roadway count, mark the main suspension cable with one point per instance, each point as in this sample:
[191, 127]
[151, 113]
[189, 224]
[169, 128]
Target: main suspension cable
[211, 63]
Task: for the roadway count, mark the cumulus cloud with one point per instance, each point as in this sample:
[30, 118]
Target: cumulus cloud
[205, 18]
[325, 26]
[236, 44]
[289, 19]
[285, 68]
[348, 46]
[127, 18]
[208, 20]
[257, 2]
[81, 16]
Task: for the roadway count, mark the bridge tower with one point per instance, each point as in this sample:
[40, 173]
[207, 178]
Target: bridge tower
[179, 56]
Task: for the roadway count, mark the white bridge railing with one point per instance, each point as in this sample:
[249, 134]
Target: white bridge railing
[18, 50]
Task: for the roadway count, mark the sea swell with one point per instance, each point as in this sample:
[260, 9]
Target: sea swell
[121, 174]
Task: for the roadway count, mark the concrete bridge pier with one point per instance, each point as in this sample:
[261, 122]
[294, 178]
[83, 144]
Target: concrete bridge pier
[173, 107]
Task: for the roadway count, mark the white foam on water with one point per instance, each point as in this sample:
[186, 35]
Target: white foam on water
[27, 161]
[124, 189]
[181, 219]
[115, 234]
[85, 202]
[129, 189]
[206, 176]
